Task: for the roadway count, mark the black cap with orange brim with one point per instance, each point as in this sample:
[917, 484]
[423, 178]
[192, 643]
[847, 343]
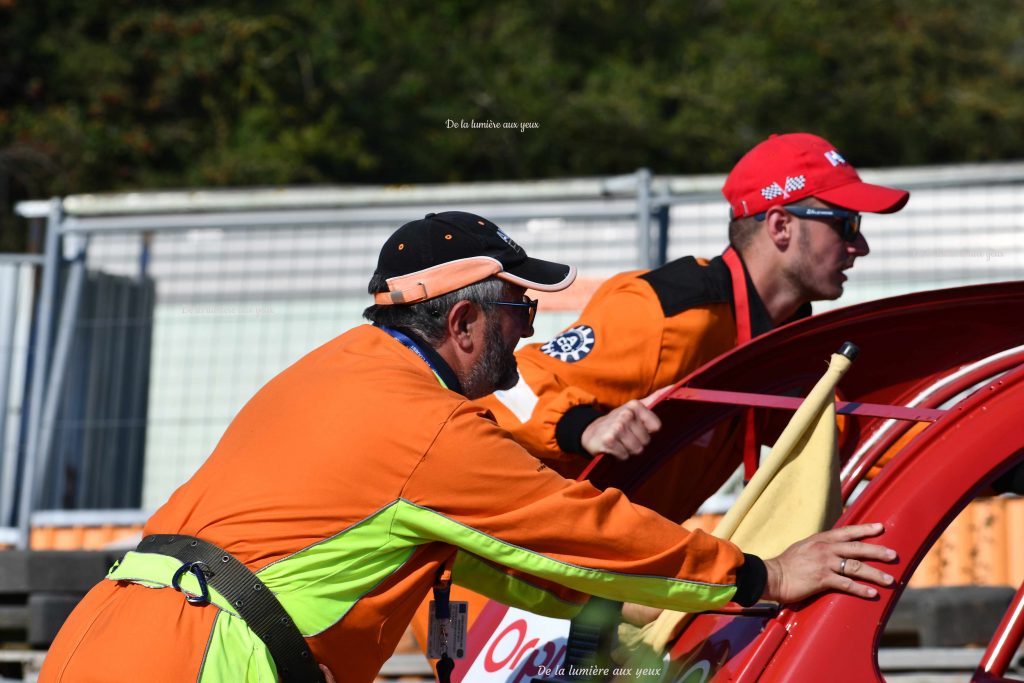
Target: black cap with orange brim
[443, 252]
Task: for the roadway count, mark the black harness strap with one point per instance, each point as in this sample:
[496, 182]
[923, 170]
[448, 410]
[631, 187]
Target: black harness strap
[253, 601]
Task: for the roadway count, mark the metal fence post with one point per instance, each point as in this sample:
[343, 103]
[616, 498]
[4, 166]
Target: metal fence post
[661, 214]
[648, 259]
[8, 319]
[41, 353]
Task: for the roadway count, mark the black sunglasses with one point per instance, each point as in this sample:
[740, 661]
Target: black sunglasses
[848, 224]
[527, 303]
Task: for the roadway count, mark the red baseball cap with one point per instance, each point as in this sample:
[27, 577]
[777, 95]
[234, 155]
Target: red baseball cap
[786, 168]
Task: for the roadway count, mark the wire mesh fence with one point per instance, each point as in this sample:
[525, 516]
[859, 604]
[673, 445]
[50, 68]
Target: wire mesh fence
[17, 287]
[186, 308]
[211, 307]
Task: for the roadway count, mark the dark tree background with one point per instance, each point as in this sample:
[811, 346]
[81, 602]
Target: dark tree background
[118, 95]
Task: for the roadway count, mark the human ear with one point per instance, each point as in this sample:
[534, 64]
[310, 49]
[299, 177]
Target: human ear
[779, 225]
[463, 322]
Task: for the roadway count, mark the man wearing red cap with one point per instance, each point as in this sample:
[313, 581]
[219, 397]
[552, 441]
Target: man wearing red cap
[795, 206]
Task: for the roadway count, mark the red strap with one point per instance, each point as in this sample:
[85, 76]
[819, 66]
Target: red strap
[739, 295]
[743, 398]
[741, 304]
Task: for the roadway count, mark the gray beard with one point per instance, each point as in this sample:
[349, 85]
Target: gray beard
[496, 368]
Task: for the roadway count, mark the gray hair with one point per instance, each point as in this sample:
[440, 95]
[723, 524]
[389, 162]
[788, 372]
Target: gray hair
[427, 319]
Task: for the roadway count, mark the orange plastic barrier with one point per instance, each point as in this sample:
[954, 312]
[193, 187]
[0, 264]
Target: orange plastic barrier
[80, 537]
[570, 299]
[975, 547]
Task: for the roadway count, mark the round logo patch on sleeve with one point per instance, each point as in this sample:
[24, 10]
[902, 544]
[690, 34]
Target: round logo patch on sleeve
[572, 345]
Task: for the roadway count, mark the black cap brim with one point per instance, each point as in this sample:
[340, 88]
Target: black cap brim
[544, 276]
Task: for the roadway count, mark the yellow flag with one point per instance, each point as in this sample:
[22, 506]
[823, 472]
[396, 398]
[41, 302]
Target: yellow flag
[794, 494]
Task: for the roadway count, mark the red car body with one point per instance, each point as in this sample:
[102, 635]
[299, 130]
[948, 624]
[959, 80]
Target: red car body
[959, 350]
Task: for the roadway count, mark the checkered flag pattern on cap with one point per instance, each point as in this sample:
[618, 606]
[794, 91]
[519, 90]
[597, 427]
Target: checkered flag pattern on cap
[772, 191]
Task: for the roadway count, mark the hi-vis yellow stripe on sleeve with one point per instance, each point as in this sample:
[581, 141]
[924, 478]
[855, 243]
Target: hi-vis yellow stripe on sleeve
[656, 591]
[481, 577]
[318, 585]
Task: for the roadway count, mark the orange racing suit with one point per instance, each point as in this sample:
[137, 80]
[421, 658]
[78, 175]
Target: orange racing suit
[347, 483]
[641, 331]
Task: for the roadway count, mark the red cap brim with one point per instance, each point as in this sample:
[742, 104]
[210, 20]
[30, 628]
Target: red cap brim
[865, 197]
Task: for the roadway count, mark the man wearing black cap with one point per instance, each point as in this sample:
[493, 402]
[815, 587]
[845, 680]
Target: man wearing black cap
[795, 206]
[363, 477]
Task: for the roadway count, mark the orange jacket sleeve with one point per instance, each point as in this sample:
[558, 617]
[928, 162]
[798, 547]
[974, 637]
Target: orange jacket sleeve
[624, 346]
[513, 511]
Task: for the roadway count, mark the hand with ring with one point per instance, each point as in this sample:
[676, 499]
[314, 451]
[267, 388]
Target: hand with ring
[809, 566]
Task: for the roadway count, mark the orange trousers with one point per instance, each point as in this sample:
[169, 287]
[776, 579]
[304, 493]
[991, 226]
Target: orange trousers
[122, 631]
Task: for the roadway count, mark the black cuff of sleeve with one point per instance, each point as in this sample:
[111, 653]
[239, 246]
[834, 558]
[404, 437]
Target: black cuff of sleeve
[569, 430]
[751, 579]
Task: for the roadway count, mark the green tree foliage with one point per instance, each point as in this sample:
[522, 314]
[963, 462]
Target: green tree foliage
[117, 95]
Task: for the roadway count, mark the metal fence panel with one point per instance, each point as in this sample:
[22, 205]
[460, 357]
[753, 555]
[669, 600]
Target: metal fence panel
[241, 295]
[242, 285]
[17, 286]
[96, 453]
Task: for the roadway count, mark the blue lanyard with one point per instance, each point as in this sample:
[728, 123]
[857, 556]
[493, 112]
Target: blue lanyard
[411, 345]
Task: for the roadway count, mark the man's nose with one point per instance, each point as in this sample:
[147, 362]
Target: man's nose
[859, 247]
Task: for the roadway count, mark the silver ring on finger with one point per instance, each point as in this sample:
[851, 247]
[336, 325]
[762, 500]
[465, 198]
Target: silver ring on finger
[842, 567]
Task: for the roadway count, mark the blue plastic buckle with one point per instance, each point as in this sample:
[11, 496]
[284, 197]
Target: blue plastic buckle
[196, 569]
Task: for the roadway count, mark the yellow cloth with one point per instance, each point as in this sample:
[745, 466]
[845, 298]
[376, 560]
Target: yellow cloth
[795, 493]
